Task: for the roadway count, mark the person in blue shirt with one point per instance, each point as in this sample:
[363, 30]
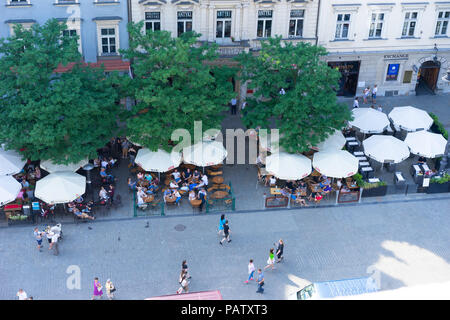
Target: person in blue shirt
[221, 223]
[260, 281]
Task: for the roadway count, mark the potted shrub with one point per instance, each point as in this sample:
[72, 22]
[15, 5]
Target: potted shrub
[376, 189]
[439, 185]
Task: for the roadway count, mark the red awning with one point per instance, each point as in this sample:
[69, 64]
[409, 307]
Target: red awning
[109, 65]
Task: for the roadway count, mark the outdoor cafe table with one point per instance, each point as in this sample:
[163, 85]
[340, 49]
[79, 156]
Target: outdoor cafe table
[217, 180]
[352, 185]
[301, 192]
[275, 191]
[170, 199]
[219, 194]
[195, 202]
[149, 198]
[315, 188]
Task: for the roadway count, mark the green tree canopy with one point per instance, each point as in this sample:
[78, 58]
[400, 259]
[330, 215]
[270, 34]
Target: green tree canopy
[62, 117]
[173, 85]
[308, 112]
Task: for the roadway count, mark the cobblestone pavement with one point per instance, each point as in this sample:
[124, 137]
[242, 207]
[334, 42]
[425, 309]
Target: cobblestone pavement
[407, 244]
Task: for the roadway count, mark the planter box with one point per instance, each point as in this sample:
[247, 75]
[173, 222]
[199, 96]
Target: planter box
[374, 192]
[438, 187]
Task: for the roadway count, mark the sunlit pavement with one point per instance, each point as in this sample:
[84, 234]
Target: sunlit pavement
[401, 244]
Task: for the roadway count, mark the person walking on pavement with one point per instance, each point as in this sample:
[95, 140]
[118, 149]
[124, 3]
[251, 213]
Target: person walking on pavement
[260, 281]
[221, 223]
[270, 260]
[374, 94]
[183, 283]
[184, 267]
[355, 103]
[280, 250]
[233, 105]
[38, 235]
[226, 233]
[251, 271]
[125, 145]
[366, 94]
[110, 288]
[98, 293]
[21, 295]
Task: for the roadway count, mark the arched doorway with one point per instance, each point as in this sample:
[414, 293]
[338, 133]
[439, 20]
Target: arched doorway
[427, 77]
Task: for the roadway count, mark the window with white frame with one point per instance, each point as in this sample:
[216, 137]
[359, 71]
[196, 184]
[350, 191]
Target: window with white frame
[108, 41]
[152, 21]
[184, 22]
[19, 1]
[409, 25]
[342, 25]
[264, 28]
[296, 23]
[442, 23]
[376, 25]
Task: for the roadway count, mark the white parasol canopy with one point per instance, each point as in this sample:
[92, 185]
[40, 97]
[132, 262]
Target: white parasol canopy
[10, 162]
[410, 118]
[206, 153]
[335, 163]
[9, 189]
[288, 166]
[157, 161]
[60, 187]
[334, 141]
[426, 144]
[369, 120]
[385, 149]
[50, 166]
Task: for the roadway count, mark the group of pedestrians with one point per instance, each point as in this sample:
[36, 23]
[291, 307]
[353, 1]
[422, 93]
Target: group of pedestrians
[98, 289]
[366, 92]
[224, 230]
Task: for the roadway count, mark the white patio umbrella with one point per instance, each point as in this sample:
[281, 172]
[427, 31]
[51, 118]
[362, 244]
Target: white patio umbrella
[426, 144]
[368, 120]
[206, 153]
[9, 189]
[10, 162]
[385, 149]
[288, 166]
[50, 166]
[334, 141]
[410, 118]
[335, 163]
[157, 161]
[60, 187]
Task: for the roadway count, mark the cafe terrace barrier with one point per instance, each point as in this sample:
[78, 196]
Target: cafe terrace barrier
[155, 208]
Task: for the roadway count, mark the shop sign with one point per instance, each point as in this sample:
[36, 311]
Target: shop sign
[264, 13]
[184, 15]
[399, 56]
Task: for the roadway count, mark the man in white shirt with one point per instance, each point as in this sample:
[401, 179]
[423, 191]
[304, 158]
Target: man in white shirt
[374, 94]
[204, 181]
[22, 295]
[356, 103]
[176, 175]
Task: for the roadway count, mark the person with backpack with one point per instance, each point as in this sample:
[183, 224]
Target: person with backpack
[110, 289]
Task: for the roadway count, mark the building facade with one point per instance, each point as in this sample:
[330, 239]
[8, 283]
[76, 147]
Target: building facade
[403, 46]
[235, 25]
[100, 24]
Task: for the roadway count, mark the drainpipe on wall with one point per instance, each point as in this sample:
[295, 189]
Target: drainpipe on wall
[317, 23]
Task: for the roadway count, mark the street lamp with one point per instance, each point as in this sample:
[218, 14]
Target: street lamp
[88, 167]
